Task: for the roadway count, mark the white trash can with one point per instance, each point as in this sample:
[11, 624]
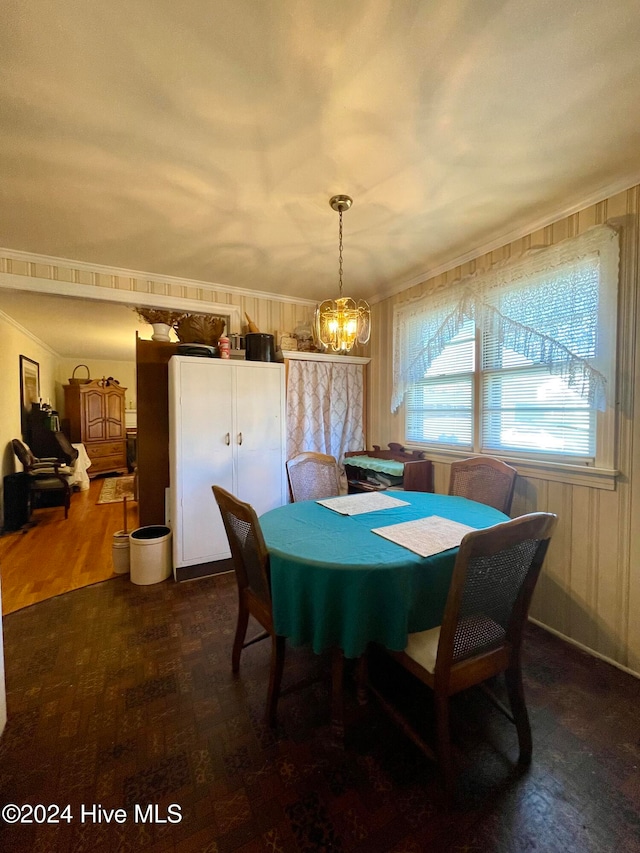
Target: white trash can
[150, 554]
[120, 552]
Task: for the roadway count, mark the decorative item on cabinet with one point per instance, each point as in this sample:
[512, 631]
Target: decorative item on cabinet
[259, 347]
[238, 345]
[224, 347]
[95, 417]
[200, 329]
[80, 380]
[251, 326]
[287, 343]
[303, 336]
[161, 332]
[160, 320]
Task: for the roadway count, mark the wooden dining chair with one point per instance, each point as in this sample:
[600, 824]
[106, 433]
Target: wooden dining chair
[493, 579]
[251, 566]
[484, 479]
[313, 476]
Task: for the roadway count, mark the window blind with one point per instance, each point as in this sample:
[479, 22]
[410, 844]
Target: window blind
[544, 332]
[525, 406]
[440, 407]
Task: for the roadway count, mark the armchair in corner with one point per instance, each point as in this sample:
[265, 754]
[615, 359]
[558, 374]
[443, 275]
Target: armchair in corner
[46, 475]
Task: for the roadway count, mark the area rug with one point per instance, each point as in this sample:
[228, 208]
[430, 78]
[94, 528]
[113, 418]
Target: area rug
[114, 489]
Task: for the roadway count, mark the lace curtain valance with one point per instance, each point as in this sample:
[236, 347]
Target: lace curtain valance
[545, 307]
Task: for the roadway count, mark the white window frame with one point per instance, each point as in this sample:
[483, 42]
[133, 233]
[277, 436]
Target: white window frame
[598, 471]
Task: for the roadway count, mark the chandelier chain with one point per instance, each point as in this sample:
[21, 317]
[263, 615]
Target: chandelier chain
[341, 323]
[340, 253]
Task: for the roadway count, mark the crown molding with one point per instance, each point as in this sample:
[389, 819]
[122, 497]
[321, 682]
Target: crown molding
[100, 269]
[33, 284]
[509, 237]
[498, 242]
[11, 322]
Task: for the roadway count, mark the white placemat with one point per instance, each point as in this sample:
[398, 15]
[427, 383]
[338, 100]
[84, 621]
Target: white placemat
[426, 536]
[361, 503]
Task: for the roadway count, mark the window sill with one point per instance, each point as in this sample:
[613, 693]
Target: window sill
[557, 472]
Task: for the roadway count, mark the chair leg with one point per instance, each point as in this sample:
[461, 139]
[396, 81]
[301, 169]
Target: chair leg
[513, 678]
[362, 679]
[443, 740]
[278, 647]
[337, 696]
[241, 633]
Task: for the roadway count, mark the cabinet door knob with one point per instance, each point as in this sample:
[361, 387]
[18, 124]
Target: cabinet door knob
[227, 439]
[239, 438]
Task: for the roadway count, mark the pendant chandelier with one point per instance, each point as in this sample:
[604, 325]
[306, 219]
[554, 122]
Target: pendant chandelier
[340, 323]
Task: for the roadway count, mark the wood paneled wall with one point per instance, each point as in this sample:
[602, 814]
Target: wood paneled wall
[590, 588]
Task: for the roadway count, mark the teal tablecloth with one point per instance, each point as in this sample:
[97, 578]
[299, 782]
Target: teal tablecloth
[335, 583]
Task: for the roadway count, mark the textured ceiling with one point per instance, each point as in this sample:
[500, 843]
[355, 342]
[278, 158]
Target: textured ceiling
[204, 139]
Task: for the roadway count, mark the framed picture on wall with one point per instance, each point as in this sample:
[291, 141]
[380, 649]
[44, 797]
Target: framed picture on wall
[29, 387]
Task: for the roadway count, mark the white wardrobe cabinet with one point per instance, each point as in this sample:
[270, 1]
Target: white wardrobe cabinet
[226, 428]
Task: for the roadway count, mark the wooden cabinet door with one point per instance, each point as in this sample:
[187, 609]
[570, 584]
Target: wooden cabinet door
[114, 413]
[93, 415]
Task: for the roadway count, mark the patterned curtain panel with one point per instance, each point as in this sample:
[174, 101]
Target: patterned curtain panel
[325, 401]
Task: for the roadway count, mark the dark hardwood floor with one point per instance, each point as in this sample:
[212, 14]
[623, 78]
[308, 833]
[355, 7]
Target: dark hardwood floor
[122, 697]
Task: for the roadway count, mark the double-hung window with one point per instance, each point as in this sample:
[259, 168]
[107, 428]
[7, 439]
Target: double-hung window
[439, 409]
[518, 361]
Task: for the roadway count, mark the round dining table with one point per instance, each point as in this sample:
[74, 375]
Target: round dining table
[336, 584]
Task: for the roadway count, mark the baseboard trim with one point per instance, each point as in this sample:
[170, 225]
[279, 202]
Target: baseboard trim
[203, 570]
[584, 648]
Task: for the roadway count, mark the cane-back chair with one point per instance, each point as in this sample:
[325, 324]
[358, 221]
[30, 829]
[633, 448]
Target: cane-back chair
[484, 479]
[313, 476]
[251, 566]
[494, 577]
